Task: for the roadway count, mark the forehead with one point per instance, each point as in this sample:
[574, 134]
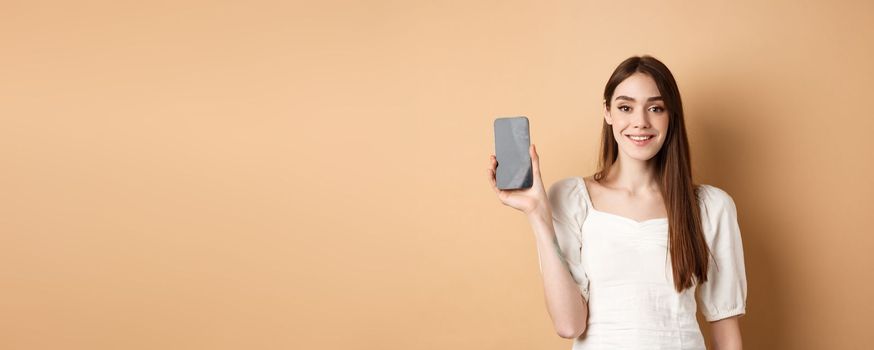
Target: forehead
[639, 86]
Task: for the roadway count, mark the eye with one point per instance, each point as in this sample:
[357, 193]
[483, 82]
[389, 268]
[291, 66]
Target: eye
[657, 109]
[624, 110]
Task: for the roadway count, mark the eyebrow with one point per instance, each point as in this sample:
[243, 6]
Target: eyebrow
[654, 98]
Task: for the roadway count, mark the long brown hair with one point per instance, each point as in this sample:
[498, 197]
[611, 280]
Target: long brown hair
[688, 249]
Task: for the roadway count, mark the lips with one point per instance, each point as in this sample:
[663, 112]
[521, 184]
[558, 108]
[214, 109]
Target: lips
[640, 140]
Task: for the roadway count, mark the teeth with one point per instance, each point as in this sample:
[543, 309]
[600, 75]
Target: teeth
[639, 138]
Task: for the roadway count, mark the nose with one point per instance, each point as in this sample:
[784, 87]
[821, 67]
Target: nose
[640, 120]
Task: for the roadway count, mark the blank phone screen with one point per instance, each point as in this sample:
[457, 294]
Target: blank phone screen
[511, 149]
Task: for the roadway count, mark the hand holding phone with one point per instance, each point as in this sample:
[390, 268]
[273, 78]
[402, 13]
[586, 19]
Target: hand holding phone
[512, 140]
[530, 196]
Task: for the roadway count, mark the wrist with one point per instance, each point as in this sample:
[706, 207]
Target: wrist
[541, 214]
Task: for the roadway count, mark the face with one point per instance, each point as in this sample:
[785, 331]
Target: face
[637, 109]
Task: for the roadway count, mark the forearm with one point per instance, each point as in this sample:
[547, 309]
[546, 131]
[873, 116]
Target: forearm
[727, 344]
[565, 304]
[726, 334]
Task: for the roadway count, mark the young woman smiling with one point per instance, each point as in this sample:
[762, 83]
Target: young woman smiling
[623, 251]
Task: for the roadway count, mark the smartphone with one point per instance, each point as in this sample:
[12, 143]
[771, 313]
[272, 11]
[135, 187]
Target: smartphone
[512, 140]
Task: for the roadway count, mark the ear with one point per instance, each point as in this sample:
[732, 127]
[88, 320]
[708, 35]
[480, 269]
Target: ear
[607, 116]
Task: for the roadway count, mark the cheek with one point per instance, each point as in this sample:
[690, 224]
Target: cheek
[664, 122]
[663, 138]
[664, 125]
[617, 134]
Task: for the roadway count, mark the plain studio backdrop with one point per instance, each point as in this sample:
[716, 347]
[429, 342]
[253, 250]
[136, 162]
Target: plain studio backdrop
[281, 175]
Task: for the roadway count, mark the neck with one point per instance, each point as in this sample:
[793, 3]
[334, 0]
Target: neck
[633, 175]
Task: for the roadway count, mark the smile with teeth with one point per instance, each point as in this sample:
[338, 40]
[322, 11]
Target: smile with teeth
[640, 138]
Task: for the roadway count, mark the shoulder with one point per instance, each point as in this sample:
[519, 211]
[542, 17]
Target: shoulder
[566, 193]
[567, 184]
[714, 199]
[717, 209]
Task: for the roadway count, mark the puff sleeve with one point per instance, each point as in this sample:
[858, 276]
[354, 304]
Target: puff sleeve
[725, 292]
[568, 213]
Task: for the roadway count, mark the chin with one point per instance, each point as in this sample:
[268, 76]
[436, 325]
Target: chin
[643, 159]
[640, 156]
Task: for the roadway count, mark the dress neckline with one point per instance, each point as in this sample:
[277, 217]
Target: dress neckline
[592, 208]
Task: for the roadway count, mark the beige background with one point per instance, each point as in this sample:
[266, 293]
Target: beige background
[241, 175]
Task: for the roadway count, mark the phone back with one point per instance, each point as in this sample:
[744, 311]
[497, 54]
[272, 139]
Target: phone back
[511, 149]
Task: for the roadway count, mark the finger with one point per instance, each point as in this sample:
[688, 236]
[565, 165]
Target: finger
[535, 160]
[492, 181]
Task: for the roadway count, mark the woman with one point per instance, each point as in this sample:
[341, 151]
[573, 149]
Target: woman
[623, 251]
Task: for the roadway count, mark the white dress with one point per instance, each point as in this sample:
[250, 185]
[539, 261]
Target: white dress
[623, 269]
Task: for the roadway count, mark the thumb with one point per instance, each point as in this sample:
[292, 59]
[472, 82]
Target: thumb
[535, 160]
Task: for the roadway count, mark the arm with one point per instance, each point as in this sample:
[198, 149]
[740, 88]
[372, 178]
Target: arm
[566, 306]
[564, 299]
[723, 296]
[726, 334]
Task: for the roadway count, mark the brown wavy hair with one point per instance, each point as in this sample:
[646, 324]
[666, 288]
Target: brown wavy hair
[688, 249]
